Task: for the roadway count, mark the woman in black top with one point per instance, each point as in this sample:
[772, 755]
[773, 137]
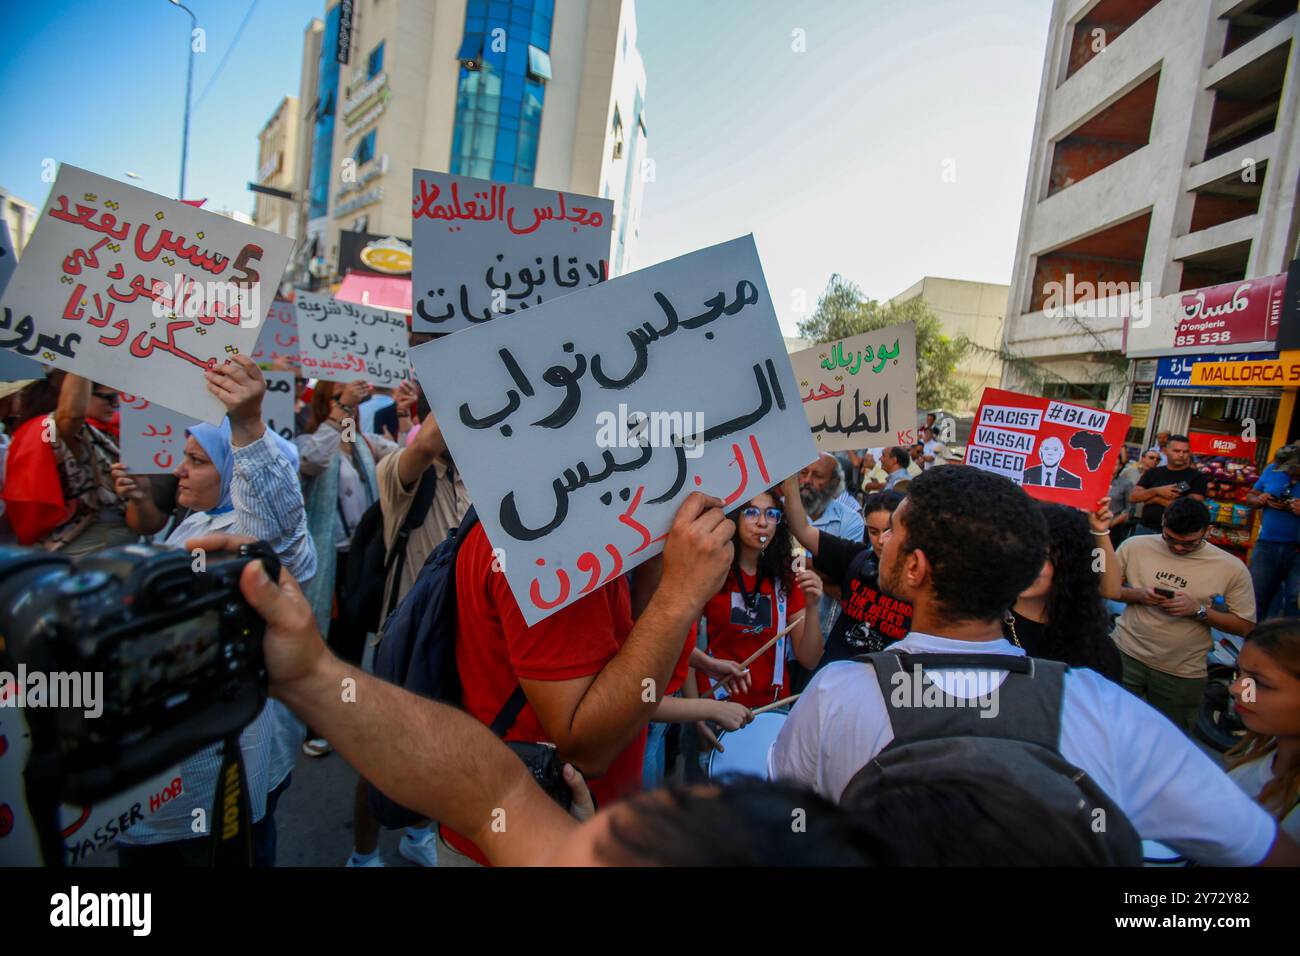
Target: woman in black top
[1062, 615]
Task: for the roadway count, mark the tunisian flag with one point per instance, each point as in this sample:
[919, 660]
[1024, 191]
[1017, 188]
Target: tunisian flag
[33, 494]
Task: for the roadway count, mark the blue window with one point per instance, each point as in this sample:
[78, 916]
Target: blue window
[471, 48]
[376, 62]
[323, 126]
[365, 150]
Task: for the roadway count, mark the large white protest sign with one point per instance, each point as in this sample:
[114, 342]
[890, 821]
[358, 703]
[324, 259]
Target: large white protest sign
[278, 340]
[139, 292]
[343, 341]
[152, 437]
[580, 433]
[860, 391]
[13, 367]
[483, 249]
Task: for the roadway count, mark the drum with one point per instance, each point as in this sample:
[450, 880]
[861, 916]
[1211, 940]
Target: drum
[746, 749]
[1157, 854]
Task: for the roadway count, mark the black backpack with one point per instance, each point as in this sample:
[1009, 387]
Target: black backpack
[417, 651]
[370, 563]
[934, 744]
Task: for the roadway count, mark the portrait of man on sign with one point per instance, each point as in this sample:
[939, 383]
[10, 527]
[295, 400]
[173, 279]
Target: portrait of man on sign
[1049, 472]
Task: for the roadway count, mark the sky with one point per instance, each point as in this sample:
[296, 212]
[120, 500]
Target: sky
[885, 140]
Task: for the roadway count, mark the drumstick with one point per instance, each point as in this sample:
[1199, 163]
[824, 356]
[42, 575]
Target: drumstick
[775, 704]
[762, 650]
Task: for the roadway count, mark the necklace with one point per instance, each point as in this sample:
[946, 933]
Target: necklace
[1010, 620]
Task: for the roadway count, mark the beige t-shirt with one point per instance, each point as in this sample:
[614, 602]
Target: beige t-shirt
[450, 502]
[1169, 644]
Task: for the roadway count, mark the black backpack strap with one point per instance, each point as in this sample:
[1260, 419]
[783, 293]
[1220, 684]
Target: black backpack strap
[1027, 706]
[396, 558]
[509, 713]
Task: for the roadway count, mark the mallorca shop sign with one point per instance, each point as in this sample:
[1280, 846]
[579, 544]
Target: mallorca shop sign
[1282, 372]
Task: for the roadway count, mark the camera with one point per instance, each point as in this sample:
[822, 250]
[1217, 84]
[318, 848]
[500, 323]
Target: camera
[178, 648]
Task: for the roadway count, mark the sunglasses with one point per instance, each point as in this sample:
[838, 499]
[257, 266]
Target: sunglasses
[113, 398]
[774, 515]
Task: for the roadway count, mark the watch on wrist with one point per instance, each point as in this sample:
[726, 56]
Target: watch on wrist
[1202, 613]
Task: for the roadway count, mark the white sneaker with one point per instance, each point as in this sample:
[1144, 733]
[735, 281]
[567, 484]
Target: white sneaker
[423, 853]
[375, 860]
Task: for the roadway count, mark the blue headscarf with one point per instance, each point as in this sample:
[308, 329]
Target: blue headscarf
[215, 442]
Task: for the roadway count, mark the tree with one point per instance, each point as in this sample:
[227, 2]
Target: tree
[843, 310]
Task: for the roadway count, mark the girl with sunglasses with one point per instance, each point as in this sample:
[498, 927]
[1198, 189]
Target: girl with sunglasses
[762, 594]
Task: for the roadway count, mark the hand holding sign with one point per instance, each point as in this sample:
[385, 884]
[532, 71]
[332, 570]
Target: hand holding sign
[240, 387]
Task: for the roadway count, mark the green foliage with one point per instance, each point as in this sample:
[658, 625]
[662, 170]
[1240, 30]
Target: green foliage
[843, 311]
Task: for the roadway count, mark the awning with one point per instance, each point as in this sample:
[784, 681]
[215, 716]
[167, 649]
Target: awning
[381, 292]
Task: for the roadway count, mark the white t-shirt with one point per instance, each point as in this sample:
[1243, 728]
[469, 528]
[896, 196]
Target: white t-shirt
[1253, 777]
[1169, 789]
[938, 449]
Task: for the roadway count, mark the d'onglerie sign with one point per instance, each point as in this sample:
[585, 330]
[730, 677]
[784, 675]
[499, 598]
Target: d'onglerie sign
[1217, 318]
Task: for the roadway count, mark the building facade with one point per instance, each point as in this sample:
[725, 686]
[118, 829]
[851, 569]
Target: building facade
[975, 310]
[524, 91]
[1165, 159]
[277, 167]
[21, 217]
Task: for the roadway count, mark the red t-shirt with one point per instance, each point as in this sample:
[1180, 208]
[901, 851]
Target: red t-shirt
[683, 663]
[736, 631]
[494, 648]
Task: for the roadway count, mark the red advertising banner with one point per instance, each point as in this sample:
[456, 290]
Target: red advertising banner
[1227, 446]
[1248, 311]
[1057, 451]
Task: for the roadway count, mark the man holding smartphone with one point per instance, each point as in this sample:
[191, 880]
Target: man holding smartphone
[1166, 483]
[1170, 585]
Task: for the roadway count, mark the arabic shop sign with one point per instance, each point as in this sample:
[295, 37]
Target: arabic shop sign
[139, 292]
[1216, 318]
[485, 249]
[530, 409]
[860, 392]
[343, 341]
[1176, 371]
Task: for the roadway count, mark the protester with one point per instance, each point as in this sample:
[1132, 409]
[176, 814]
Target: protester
[868, 620]
[1171, 586]
[1162, 446]
[961, 547]
[420, 477]
[760, 596]
[1166, 483]
[1273, 564]
[1122, 483]
[897, 466]
[441, 761]
[820, 486]
[338, 462]
[58, 491]
[933, 451]
[239, 479]
[1062, 616]
[581, 669]
[1266, 763]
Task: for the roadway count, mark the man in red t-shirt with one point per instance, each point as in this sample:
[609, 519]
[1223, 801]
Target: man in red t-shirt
[583, 668]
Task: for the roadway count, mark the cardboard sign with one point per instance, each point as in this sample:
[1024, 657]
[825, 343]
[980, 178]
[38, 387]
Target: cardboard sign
[278, 339]
[13, 367]
[860, 391]
[1057, 451]
[485, 249]
[343, 341]
[153, 437]
[139, 292]
[580, 433]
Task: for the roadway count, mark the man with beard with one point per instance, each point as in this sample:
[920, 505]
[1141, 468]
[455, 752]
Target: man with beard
[422, 475]
[820, 487]
[961, 547]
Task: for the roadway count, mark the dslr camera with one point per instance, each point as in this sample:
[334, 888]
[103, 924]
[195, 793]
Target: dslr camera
[178, 648]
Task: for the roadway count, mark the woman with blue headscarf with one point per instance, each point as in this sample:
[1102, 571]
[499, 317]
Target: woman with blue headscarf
[238, 478]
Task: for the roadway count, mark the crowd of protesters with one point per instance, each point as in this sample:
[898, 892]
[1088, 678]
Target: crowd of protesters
[1082, 633]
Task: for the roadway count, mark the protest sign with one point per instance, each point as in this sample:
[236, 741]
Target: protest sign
[153, 436]
[578, 435]
[484, 249]
[343, 341]
[278, 403]
[138, 292]
[1056, 451]
[860, 391]
[278, 339]
[13, 367]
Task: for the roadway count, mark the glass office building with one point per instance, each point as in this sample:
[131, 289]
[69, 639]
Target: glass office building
[504, 65]
[322, 140]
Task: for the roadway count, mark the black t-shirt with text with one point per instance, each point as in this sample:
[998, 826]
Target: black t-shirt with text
[869, 620]
[1152, 511]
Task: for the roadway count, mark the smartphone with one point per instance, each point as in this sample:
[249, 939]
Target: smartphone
[1164, 592]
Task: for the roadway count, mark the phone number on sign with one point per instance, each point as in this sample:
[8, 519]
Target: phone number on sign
[1203, 338]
